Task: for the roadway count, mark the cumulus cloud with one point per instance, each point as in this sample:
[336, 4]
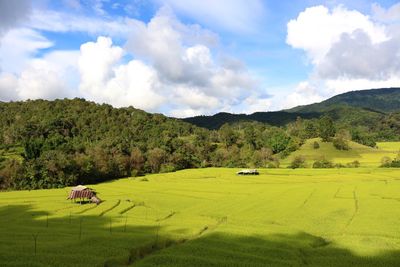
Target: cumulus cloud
[347, 49]
[173, 70]
[317, 28]
[105, 79]
[237, 16]
[49, 77]
[12, 13]
[356, 56]
[165, 66]
[18, 46]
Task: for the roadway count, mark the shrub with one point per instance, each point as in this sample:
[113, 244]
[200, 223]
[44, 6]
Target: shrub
[353, 164]
[298, 162]
[340, 165]
[386, 162]
[340, 143]
[273, 163]
[134, 173]
[167, 168]
[323, 163]
[316, 145]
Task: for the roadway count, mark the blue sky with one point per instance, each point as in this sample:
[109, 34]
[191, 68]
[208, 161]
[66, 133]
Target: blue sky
[185, 58]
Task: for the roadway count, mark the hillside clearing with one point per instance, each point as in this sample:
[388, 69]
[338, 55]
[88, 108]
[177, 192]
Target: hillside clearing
[367, 156]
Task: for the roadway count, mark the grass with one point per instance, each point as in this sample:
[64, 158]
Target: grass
[283, 217]
[367, 156]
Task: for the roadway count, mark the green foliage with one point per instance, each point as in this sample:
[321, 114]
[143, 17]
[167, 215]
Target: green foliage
[65, 142]
[298, 162]
[323, 163]
[277, 140]
[326, 128]
[340, 143]
[315, 145]
[387, 162]
[353, 164]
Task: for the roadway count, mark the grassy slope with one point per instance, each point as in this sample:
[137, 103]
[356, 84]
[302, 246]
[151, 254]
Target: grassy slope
[337, 217]
[367, 156]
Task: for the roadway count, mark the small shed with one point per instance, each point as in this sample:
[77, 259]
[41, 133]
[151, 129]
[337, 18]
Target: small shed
[248, 172]
[83, 192]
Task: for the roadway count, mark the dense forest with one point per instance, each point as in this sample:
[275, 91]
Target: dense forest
[47, 144]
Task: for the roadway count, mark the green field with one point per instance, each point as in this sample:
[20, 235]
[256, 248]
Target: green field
[211, 217]
[367, 156]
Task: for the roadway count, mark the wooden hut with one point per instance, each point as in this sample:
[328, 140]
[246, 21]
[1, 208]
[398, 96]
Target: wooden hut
[82, 192]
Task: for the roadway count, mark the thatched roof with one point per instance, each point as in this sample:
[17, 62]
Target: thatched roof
[79, 188]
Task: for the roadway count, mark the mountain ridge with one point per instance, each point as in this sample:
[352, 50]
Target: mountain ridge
[370, 102]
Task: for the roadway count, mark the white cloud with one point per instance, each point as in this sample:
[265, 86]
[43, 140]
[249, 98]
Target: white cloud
[165, 66]
[18, 46]
[342, 85]
[317, 28]
[304, 94]
[356, 56]
[183, 59]
[392, 14]
[49, 77]
[105, 79]
[8, 83]
[237, 16]
[56, 21]
[348, 51]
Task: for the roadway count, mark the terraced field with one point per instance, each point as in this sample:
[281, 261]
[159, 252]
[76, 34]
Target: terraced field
[367, 156]
[211, 217]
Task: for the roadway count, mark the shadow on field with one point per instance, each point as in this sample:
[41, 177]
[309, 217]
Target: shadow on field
[34, 238]
[303, 249]
[30, 237]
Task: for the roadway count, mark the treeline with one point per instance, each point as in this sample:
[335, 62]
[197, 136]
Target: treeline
[68, 142]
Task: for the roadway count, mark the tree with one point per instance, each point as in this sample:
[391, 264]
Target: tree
[326, 128]
[298, 162]
[277, 139]
[136, 160]
[340, 141]
[155, 157]
[227, 135]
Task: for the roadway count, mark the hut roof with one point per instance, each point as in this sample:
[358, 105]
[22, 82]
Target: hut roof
[79, 188]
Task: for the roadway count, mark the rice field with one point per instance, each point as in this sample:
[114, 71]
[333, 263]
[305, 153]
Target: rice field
[211, 217]
[367, 156]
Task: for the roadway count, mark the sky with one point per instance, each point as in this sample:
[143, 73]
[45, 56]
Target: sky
[199, 57]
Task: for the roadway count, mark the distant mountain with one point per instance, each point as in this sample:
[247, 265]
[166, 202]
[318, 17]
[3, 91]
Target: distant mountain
[352, 108]
[276, 118]
[383, 100]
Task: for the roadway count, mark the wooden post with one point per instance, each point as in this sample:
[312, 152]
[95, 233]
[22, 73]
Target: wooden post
[80, 228]
[35, 240]
[126, 220]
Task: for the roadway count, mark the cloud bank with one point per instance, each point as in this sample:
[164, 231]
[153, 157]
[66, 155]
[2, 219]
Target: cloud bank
[164, 66]
[347, 49]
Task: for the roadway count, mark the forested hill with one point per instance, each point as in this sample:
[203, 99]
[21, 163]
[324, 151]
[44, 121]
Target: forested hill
[65, 142]
[59, 143]
[275, 118]
[383, 100]
[358, 108]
